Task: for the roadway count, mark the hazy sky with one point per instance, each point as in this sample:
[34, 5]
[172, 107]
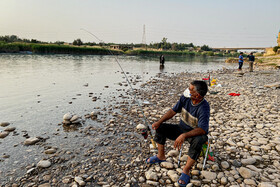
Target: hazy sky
[217, 23]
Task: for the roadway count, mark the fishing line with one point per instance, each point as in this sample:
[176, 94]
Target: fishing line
[127, 80]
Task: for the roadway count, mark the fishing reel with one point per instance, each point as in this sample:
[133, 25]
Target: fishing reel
[144, 133]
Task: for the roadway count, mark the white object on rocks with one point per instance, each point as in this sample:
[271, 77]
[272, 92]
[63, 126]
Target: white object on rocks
[30, 171]
[140, 126]
[31, 141]
[152, 148]
[44, 163]
[146, 103]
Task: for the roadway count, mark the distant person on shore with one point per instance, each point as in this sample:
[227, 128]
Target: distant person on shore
[240, 61]
[251, 58]
[193, 127]
[161, 60]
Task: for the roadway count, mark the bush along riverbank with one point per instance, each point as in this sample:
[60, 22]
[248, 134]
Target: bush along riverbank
[36, 48]
[179, 53]
[53, 49]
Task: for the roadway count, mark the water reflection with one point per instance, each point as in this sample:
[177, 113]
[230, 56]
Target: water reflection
[161, 68]
[71, 128]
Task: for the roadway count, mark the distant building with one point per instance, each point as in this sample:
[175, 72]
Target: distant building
[116, 47]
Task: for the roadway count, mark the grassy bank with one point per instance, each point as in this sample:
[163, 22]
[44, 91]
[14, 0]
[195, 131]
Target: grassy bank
[178, 53]
[53, 49]
[35, 48]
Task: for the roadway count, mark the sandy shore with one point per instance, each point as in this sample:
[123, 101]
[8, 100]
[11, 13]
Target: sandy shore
[245, 133]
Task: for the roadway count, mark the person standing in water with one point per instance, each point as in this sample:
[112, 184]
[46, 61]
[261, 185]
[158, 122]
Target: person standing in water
[161, 60]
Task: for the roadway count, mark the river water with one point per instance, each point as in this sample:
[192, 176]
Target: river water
[37, 90]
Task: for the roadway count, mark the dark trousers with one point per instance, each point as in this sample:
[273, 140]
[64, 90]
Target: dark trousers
[251, 66]
[240, 65]
[172, 131]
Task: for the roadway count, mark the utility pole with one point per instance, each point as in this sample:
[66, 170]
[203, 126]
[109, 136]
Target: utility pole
[144, 38]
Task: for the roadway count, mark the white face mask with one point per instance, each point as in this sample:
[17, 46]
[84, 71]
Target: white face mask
[187, 93]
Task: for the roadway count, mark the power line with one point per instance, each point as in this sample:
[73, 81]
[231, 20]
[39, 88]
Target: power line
[144, 37]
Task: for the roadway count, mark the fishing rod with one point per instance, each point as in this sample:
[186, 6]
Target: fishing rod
[144, 133]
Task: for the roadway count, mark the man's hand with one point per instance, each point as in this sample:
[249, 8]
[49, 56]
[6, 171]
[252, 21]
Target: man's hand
[169, 114]
[156, 125]
[179, 141]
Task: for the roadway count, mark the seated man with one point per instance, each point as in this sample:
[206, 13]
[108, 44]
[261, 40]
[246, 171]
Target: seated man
[193, 127]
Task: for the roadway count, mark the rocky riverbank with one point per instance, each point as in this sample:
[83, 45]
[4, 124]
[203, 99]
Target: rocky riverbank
[244, 130]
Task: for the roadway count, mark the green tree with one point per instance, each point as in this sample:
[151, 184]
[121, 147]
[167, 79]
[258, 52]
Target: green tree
[276, 48]
[205, 48]
[34, 41]
[59, 42]
[78, 42]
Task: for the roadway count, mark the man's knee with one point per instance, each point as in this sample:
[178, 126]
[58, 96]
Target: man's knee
[198, 141]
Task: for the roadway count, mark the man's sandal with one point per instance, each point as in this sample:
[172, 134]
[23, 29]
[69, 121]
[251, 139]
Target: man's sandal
[184, 177]
[154, 160]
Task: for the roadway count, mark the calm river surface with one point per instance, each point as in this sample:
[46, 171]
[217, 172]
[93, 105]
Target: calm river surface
[37, 90]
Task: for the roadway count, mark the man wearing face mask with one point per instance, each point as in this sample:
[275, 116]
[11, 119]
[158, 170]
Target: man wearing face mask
[193, 127]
